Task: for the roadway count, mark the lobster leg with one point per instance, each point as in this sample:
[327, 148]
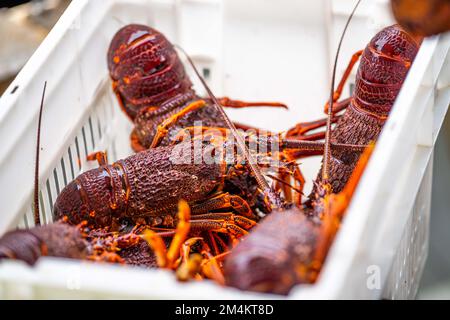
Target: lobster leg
[283, 184]
[193, 131]
[167, 258]
[220, 226]
[300, 130]
[299, 179]
[187, 247]
[246, 127]
[241, 221]
[211, 268]
[219, 242]
[237, 104]
[213, 243]
[193, 265]
[163, 128]
[101, 157]
[223, 201]
[190, 264]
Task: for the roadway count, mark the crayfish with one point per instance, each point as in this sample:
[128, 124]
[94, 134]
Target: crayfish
[290, 247]
[384, 66]
[192, 193]
[154, 90]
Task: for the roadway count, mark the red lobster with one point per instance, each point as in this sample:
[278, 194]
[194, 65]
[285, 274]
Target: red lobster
[67, 241]
[147, 187]
[289, 248]
[384, 65]
[153, 89]
[62, 240]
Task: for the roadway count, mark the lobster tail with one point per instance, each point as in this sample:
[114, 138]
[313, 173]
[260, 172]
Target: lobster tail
[383, 69]
[145, 69]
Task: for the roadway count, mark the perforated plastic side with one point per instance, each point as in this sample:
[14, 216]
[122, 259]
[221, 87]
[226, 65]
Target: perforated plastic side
[95, 135]
[408, 265]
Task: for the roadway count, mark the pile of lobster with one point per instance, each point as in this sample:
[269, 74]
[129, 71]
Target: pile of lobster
[196, 198]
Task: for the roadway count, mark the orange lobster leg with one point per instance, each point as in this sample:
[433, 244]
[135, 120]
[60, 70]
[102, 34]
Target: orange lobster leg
[224, 201]
[299, 179]
[213, 243]
[301, 129]
[237, 104]
[211, 268]
[220, 226]
[206, 263]
[241, 221]
[163, 128]
[167, 258]
[219, 241]
[190, 264]
[245, 127]
[101, 157]
[189, 132]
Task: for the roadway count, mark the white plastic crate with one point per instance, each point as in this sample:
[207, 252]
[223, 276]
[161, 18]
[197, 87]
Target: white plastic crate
[271, 50]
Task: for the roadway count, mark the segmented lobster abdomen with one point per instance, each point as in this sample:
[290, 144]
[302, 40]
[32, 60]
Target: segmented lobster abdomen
[145, 68]
[384, 66]
[383, 69]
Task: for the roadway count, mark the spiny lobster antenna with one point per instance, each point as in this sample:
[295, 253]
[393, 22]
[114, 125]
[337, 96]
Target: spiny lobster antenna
[37, 218]
[327, 156]
[242, 147]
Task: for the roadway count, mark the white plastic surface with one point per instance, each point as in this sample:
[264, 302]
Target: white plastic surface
[271, 50]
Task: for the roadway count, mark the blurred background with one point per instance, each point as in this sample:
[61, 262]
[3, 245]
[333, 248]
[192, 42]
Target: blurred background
[24, 24]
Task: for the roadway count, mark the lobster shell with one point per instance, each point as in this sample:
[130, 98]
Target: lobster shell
[384, 66]
[54, 240]
[270, 258]
[145, 69]
[143, 186]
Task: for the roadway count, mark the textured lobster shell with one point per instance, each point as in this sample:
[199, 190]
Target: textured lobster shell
[146, 185]
[145, 68]
[54, 240]
[275, 256]
[383, 69]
